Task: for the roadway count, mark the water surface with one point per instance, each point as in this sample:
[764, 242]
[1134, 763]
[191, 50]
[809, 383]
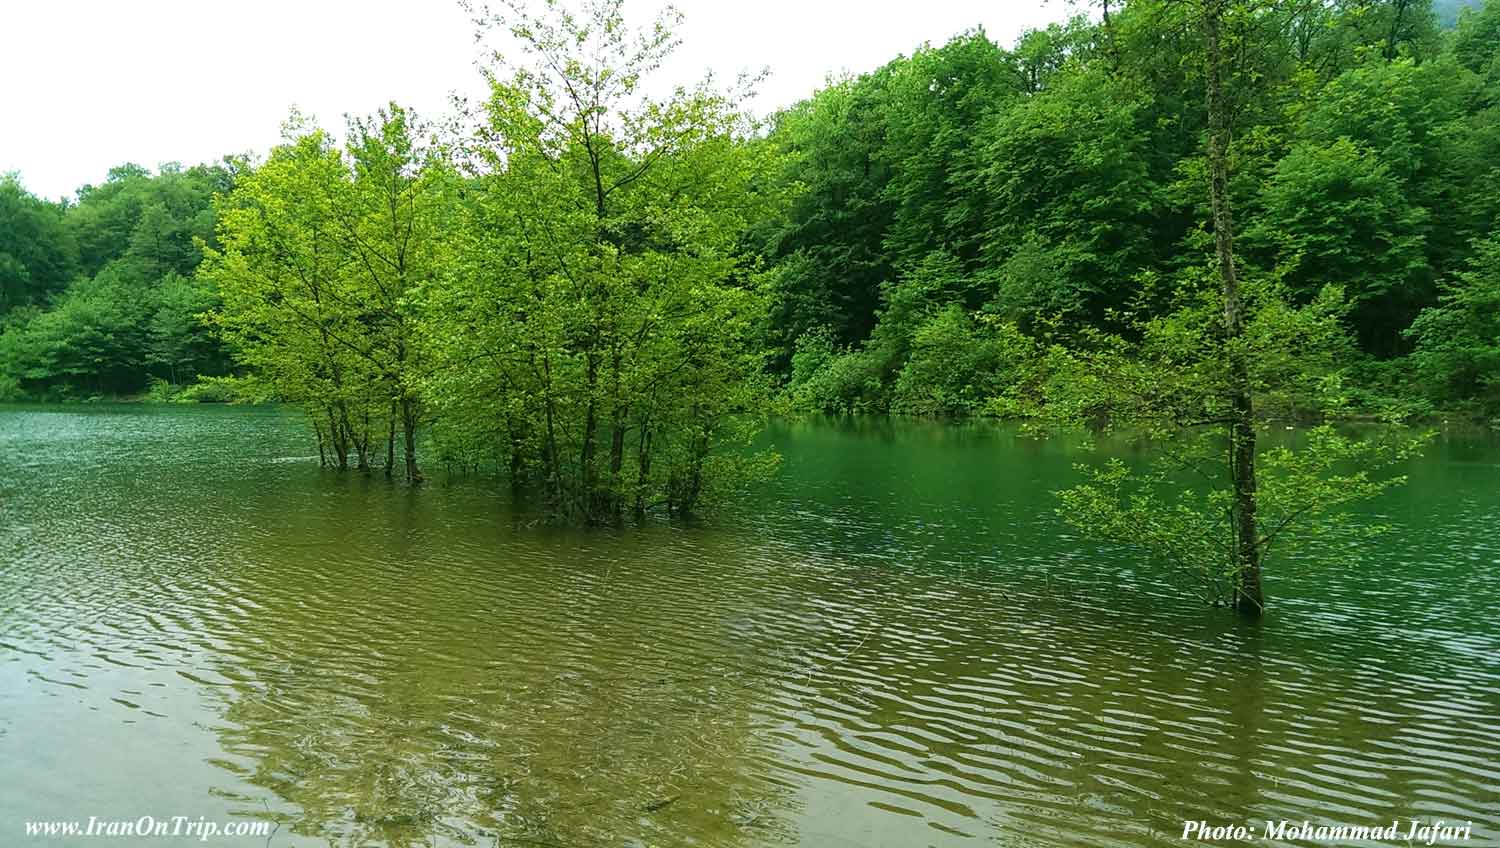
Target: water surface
[894, 644]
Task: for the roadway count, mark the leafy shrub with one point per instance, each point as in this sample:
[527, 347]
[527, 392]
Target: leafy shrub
[217, 390]
[159, 391]
[10, 389]
[957, 364]
[851, 381]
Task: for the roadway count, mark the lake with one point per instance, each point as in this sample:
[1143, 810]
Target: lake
[895, 643]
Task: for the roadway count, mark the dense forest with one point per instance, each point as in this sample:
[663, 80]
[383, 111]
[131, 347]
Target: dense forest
[99, 295]
[597, 291]
[969, 193]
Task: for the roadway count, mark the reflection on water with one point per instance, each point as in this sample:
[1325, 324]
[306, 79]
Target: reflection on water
[896, 644]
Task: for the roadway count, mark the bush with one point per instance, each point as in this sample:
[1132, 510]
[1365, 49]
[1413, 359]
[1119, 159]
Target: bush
[215, 390]
[159, 391]
[814, 349]
[10, 389]
[851, 381]
[957, 364]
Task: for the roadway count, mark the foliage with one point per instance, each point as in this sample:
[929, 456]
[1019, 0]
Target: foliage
[1337, 215]
[1054, 184]
[828, 248]
[959, 363]
[38, 255]
[832, 380]
[323, 255]
[1168, 386]
[1059, 182]
[1162, 374]
[103, 294]
[1458, 341]
[92, 342]
[1069, 171]
[222, 390]
[1474, 43]
[1177, 509]
[597, 323]
[159, 391]
[156, 221]
[597, 286]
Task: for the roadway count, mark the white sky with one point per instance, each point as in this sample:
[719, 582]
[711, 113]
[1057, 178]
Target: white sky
[89, 84]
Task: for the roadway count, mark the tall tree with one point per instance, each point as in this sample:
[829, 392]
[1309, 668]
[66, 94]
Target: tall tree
[392, 218]
[1249, 594]
[283, 274]
[828, 249]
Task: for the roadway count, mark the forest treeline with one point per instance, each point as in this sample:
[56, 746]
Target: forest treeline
[99, 295]
[969, 201]
[597, 291]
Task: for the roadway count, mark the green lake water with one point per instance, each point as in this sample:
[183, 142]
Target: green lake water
[895, 643]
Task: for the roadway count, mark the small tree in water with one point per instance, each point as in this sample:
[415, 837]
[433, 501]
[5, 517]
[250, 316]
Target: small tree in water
[1193, 380]
[1170, 389]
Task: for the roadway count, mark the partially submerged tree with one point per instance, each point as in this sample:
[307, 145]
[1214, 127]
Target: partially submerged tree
[1191, 381]
[323, 255]
[277, 274]
[1240, 420]
[1172, 388]
[598, 301]
[393, 216]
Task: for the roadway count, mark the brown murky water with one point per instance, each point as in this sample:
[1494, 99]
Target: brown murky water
[895, 644]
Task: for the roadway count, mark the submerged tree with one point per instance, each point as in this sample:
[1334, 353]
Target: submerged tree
[1192, 379]
[1173, 387]
[597, 323]
[323, 253]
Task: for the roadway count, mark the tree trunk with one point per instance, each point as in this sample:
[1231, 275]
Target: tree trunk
[322, 452]
[643, 468]
[409, 437]
[362, 443]
[390, 444]
[337, 434]
[1248, 594]
[554, 473]
[1393, 35]
[590, 429]
[517, 456]
[616, 437]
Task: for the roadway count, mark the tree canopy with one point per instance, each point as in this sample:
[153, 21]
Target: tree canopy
[1056, 185]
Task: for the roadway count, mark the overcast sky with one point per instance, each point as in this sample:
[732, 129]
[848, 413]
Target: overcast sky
[89, 84]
